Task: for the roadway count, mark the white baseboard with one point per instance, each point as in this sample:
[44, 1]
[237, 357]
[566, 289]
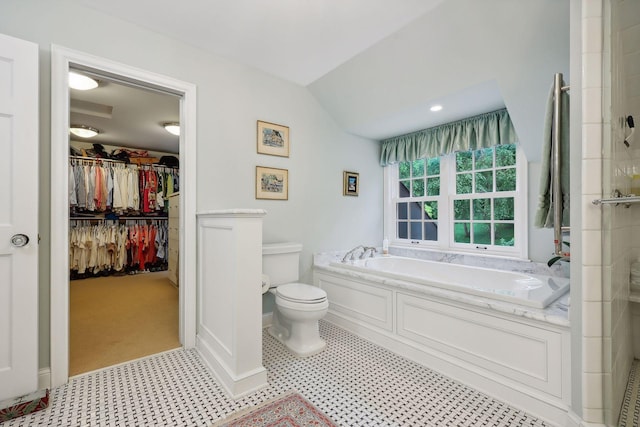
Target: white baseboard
[236, 386]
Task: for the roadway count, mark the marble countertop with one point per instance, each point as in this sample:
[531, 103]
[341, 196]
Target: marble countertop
[556, 314]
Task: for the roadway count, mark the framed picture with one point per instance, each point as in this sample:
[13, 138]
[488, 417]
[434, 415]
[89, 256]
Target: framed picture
[273, 139]
[272, 183]
[351, 183]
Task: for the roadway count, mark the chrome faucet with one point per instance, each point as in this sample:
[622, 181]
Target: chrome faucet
[351, 254]
[368, 248]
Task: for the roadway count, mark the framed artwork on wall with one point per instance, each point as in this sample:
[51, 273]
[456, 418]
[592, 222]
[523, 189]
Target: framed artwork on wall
[351, 183]
[273, 139]
[272, 183]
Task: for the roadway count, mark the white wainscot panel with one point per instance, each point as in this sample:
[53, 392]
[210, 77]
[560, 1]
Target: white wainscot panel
[219, 276]
[358, 301]
[518, 351]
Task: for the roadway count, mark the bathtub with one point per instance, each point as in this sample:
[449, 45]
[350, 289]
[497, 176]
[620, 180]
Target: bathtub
[518, 288]
[486, 328]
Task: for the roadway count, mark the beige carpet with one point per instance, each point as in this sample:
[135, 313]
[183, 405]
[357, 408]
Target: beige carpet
[117, 319]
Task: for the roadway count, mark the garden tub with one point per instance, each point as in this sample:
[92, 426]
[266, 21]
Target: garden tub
[530, 290]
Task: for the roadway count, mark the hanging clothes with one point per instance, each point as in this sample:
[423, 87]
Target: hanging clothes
[111, 247]
[98, 186]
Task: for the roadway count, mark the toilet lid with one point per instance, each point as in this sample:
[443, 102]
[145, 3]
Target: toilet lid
[301, 292]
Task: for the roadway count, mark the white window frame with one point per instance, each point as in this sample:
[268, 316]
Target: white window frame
[445, 212]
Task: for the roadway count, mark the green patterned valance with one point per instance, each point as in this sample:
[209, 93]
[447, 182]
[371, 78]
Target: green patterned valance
[485, 130]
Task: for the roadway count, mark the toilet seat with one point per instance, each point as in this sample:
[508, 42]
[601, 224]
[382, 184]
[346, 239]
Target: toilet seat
[301, 293]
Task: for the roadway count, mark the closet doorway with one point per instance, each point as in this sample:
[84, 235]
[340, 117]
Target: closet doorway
[139, 298]
[124, 209]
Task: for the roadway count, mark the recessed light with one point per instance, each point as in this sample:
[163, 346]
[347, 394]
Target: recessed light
[81, 82]
[172, 128]
[84, 131]
[435, 108]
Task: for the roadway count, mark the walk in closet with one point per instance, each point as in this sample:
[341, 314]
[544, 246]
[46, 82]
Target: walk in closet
[123, 188]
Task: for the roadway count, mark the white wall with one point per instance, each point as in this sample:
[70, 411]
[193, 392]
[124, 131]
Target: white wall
[231, 98]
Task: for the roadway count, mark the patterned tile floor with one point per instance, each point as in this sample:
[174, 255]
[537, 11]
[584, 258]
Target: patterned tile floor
[353, 381]
[630, 413]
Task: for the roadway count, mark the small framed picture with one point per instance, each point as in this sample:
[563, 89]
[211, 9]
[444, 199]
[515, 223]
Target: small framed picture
[351, 182]
[273, 139]
[272, 183]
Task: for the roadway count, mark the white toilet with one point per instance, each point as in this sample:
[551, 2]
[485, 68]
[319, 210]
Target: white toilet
[298, 306]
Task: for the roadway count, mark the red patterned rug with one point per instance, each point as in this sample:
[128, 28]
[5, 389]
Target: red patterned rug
[290, 410]
[23, 406]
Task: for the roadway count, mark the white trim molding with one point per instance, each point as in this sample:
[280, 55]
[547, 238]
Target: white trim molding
[61, 60]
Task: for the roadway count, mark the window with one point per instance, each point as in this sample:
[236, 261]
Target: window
[466, 201]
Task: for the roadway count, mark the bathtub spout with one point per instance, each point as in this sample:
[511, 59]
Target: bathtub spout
[351, 254]
[366, 249]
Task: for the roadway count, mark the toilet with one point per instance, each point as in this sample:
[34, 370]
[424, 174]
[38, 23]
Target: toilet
[298, 306]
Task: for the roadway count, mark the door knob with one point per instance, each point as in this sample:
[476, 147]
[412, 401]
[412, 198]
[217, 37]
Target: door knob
[19, 240]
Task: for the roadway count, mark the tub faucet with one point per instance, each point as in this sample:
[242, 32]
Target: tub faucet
[351, 254]
[368, 248]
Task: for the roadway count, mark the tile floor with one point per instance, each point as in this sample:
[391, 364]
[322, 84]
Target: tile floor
[630, 413]
[353, 381]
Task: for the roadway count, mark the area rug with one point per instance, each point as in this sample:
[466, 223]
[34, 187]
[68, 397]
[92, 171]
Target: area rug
[290, 410]
[23, 406]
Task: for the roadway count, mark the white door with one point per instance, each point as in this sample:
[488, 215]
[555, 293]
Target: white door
[18, 217]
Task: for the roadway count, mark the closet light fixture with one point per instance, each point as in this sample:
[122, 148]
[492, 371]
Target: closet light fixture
[81, 82]
[435, 108]
[84, 131]
[172, 128]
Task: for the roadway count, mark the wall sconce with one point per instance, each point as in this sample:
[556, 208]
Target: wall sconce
[84, 131]
[172, 127]
[81, 82]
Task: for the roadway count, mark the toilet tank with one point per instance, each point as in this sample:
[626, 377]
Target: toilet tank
[280, 261]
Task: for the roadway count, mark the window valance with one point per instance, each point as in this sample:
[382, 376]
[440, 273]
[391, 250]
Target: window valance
[482, 131]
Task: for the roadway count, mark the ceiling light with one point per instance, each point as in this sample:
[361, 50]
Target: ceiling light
[172, 128]
[81, 82]
[435, 108]
[84, 131]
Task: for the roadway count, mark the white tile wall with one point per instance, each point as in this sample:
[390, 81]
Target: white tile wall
[621, 36]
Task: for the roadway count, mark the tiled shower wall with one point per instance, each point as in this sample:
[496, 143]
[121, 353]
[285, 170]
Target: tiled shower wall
[620, 47]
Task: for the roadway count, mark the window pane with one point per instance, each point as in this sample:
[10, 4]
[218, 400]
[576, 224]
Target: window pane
[430, 231]
[433, 186]
[403, 189]
[482, 234]
[402, 211]
[461, 209]
[404, 170]
[416, 230]
[418, 187]
[506, 179]
[433, 166]
[430, 210]
[504, 234]
[484, 182]
[461, 232]
[503, 208]
[415, 210]
[482, 209]
[463, 183]
[484, 158]
[402, 230]
[464, 161]
[506, 155]
[418, 167]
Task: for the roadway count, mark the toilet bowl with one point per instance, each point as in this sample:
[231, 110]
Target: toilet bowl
[298, 306]
[295, 318]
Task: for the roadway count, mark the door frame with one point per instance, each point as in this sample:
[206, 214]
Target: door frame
[61, 60]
